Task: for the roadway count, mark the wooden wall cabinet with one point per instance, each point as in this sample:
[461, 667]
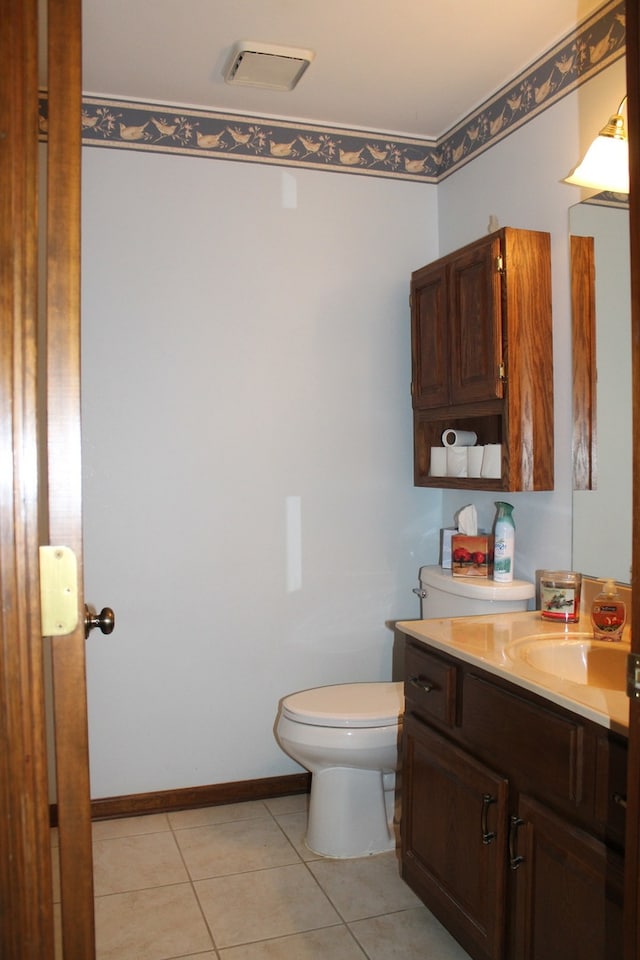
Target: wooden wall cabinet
[512, 815]
[482, 357]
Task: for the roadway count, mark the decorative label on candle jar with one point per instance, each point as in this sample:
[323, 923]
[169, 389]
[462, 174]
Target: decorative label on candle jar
[560, 595]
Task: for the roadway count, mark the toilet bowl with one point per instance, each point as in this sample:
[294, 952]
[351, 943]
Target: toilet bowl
[347, 736]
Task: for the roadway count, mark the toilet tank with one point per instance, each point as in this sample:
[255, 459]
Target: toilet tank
[443, 595]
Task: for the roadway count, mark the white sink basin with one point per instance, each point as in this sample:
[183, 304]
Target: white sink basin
[577, 658]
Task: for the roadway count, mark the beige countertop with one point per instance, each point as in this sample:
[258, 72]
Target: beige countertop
[485, 642]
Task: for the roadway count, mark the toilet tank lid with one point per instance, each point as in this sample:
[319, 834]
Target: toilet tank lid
[475, 587]
[377, 704]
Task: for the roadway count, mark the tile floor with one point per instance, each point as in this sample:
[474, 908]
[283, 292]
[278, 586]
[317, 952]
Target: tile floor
[237, 883]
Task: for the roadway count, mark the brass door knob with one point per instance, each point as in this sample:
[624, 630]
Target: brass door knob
[105, 620]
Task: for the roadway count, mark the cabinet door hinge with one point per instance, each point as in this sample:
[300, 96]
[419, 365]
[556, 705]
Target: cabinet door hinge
[502, 373]
[500, 267]
[633, 676]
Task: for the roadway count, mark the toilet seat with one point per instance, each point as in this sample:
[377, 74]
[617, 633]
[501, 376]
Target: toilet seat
[347, 705]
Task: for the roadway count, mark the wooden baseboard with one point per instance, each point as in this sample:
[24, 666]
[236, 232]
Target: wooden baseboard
[166, 801]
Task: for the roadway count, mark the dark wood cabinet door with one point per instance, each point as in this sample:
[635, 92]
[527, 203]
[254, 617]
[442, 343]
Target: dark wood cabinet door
[454, 838]
[482, 358]
[568, 890]
[476, 323]
[430, 338]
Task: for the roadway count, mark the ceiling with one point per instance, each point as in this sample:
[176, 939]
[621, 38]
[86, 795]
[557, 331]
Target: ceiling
[412, 67]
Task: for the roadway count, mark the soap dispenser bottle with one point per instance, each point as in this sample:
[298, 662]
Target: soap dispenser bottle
[608, 613]
[504, 543]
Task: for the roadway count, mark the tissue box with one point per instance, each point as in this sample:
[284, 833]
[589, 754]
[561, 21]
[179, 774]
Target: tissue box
[446, 535]
[472, 556]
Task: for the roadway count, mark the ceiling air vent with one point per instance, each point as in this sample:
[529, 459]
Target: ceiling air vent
[266, 65]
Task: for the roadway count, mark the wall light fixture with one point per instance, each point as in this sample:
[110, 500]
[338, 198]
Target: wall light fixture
[606, 162]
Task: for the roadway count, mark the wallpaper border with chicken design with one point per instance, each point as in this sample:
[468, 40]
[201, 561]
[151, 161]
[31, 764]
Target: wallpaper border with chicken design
[594, 45]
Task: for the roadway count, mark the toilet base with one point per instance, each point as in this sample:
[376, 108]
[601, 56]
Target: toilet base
[349, 813]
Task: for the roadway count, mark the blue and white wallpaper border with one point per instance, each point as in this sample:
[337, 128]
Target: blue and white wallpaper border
[594, 45]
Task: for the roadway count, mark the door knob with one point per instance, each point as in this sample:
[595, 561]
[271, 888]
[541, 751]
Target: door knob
[105, 620]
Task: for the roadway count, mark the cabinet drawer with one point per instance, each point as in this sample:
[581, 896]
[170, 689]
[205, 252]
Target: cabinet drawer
[430, 685]
[542, 749]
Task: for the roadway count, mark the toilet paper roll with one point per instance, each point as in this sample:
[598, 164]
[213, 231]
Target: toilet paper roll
[459, 438]
[492, 461]
[456, 461]
[438, 462]
[474, 461]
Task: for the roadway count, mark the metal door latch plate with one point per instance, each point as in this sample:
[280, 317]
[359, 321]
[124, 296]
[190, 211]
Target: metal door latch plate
[58, 591]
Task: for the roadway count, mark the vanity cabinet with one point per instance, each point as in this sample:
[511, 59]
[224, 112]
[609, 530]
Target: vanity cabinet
[482, 357]
[567, 889]
[511, 823]
[454, 857]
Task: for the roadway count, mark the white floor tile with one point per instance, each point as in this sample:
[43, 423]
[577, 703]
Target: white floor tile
[407, 935]
[150, 925]
[297, 803]
[130, 826]
[136, 863]
[294, 825]
[264, 904]
[366, 887]
[203, 816]
[331, 943]
[234, 847]
[236, 882]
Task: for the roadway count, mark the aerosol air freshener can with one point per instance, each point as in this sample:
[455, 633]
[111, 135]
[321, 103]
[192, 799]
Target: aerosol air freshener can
[504, 543]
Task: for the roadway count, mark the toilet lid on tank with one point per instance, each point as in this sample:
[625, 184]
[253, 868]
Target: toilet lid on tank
[347, 705]
[476, 588]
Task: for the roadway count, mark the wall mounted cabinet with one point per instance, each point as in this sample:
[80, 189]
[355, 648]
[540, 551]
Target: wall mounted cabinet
[482, 357]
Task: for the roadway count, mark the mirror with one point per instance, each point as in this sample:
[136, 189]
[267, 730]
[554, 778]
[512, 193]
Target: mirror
[602, 514]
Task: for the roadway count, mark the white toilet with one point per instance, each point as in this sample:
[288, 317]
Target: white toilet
[347, 735]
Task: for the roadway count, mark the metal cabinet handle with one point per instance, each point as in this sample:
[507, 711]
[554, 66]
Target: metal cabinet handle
[420, 592]
[514, 859]
[620, 799]
[427, 686]
[487, 835]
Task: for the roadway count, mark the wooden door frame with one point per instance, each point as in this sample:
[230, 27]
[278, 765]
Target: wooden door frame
[632, 840]
[40, 494]
[26, 910]
[64, 465]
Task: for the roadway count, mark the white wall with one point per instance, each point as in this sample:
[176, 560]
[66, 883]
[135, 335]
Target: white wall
[246, 341]
[519, 182]
[246, 352]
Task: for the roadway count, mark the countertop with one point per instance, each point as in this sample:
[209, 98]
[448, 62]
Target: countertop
[483, 642]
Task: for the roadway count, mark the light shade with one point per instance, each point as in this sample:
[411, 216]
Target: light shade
[606, 162]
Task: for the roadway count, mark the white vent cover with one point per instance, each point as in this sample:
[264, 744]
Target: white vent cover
[265, 65]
